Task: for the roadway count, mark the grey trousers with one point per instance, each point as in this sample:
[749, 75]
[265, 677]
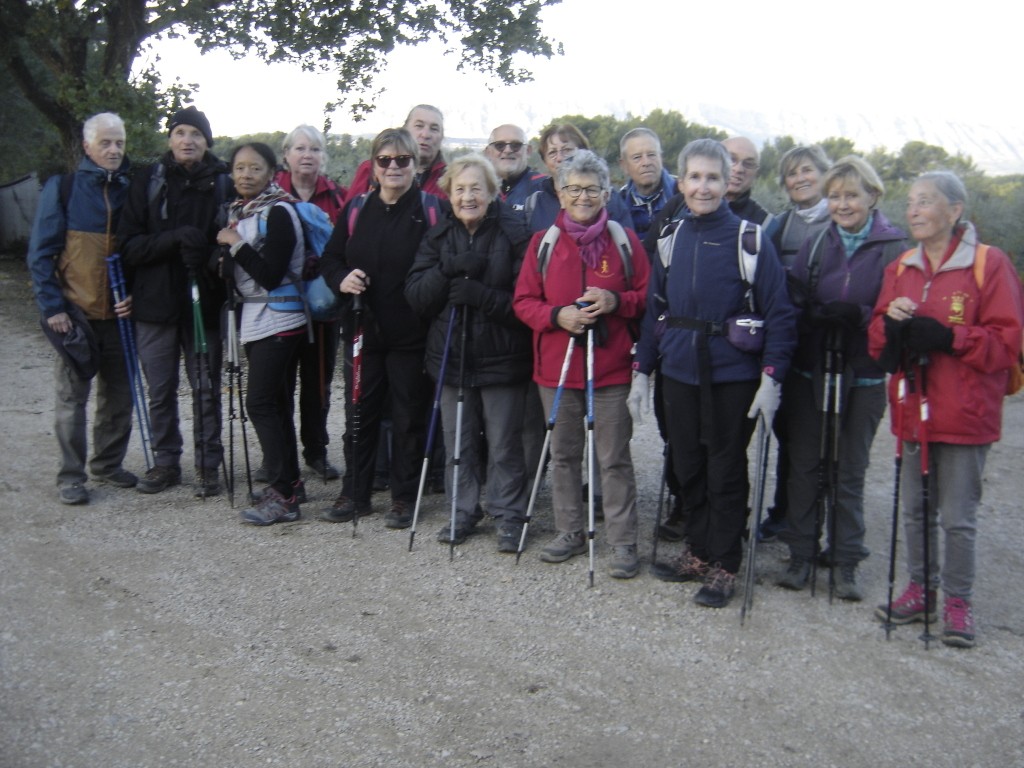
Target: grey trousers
[954, 492]
[493, 414]
[161, 347]
[862, 410]
[112, 424]
[613, 429]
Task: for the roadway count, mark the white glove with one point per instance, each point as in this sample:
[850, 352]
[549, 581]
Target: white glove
[639, 399]
[766, 400]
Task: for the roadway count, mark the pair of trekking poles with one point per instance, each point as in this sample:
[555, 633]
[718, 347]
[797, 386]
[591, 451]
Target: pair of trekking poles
[915, 376]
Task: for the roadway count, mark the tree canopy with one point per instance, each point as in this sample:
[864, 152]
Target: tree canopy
[72, 59]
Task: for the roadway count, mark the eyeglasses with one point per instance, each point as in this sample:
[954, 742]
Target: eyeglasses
[748, 164]
[402, 161]
[575, 190]
[563, 152]
[501, 146]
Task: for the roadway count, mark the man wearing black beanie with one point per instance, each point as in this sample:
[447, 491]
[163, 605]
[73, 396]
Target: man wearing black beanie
[167, 240]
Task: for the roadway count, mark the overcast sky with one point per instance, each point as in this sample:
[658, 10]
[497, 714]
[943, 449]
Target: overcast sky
[955, 61]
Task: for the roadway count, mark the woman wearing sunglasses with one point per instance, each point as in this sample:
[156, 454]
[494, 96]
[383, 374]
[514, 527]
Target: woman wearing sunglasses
[372, 248]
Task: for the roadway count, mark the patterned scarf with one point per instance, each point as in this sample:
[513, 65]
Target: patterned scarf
[242, 209]
[591, 238]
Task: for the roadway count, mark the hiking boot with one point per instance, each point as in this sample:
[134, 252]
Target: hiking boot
[845, 586]
[206, 483]
[463, 530]
[509, 535]
[158, 479]
[797, 575]
[719, 587]
[344, 510]
[625, 563]
[958, 619]
[298, 488]
[770, 529]
[674, 528]
[323, 468]
[272, 508]
[73, 493]
[400, 515]
[261, 475]
[564, 546]
[910, 606]
[119, 478]
[686, 567]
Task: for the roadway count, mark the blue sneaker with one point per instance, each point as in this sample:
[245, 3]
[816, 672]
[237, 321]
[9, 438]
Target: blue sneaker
[272, 508]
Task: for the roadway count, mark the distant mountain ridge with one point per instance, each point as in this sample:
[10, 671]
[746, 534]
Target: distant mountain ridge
[996, 149]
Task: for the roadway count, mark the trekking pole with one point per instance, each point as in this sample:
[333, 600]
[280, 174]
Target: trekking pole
[432, 429]
[764, 437]
[322, 381]
[901, 393]
[926, 636]
[590, 449]
[199, 351]
[457, 453]
[547, 444]
[661, 500]
[833, 465]
[823, 504]
[131, 358]
[356, 396]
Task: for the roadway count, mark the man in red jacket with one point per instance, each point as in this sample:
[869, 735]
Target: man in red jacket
[426, 124]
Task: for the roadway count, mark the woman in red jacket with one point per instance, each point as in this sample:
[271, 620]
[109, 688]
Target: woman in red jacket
[948, 320]
[584, 285]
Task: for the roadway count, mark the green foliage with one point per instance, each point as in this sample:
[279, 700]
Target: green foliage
[71, 60]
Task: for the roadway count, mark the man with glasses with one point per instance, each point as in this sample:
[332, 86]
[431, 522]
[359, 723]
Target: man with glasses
[509, 151]
[743, 173]
[426, 125]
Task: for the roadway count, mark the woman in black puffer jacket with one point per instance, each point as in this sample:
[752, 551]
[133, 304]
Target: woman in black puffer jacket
[468, 265]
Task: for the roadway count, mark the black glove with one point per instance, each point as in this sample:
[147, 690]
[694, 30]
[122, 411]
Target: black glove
[466, 292]
[926, 334]
[226, 270]
[841, 313]
[192, 238]
[193, 258]
[473, 265]
[892, 354]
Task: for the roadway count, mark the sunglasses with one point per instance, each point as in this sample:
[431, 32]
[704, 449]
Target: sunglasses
[402, 161]
[501, 146]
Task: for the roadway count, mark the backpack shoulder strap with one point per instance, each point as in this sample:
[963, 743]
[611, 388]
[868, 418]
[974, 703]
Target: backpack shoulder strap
[748, 247]
[814, 261]
[547, 244]
[354, 209]
[621, 239]
[155, 195]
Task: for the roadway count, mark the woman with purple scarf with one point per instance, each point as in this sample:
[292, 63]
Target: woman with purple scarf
[584, 284]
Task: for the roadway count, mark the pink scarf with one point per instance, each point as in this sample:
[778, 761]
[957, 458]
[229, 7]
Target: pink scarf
[591, 238]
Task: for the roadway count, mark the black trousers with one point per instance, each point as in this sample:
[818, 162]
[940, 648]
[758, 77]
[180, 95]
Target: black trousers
[711, 465]
[390, 376]
[316, 371]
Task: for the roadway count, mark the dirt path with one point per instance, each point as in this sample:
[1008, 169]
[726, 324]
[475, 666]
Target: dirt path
[159, 631]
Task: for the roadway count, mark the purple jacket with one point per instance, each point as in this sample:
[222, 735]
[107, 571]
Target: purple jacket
[856, 280]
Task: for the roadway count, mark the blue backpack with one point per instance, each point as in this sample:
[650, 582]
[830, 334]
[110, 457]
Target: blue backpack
[313, 297]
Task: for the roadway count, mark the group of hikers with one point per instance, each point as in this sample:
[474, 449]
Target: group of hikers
[532, 319]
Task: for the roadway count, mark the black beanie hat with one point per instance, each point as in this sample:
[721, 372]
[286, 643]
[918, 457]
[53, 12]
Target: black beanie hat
[195, 118]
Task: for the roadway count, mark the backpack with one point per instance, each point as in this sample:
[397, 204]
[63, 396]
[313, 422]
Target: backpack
[748, 250]
[1016, 380]
[618, 234]
[312, 296]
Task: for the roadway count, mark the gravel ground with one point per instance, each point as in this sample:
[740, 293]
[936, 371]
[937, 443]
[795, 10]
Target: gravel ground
[159, 631]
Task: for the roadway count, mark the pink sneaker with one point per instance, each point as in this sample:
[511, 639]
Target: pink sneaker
[959, 623]
[909, 607]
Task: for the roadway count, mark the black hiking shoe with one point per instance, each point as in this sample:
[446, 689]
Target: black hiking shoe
[119, 478]
[73, 493]
[400, 515]
[323, 468]
[686, 567]
[797, 575]
[159, 479]
[344, 510]
[719, 587]
[509, 535]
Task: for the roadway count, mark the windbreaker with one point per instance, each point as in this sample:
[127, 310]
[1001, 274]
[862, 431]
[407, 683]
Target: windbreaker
[964, 389]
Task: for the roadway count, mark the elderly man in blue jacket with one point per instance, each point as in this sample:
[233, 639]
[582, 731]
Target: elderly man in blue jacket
[73, 233]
